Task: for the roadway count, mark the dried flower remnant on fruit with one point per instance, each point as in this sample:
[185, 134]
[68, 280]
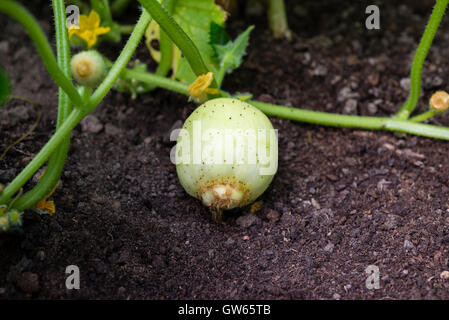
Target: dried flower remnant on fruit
[200, 88]
[439, 101]
[89, 28]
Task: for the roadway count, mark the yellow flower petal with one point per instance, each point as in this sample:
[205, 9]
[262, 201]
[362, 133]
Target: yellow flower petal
[48, 206]
[45, 205]
[93, 20]
[102, 30]
[84, 21]
[89, 28]
[201, 84]
[73, 30]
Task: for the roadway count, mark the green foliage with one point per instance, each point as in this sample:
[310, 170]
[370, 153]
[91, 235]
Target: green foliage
[230, 55]
[218, 35]
[196, 18]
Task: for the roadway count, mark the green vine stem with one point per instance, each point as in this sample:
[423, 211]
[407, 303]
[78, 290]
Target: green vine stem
[361, 122]
[420, 56]
[79, 113]
[57, 160]
[178, 36]
[309, 116]
[278, 19]
[17, 12]
[424, 116]
[156, 81]
[120, 63]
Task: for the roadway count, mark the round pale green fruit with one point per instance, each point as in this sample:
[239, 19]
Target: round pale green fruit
[226, 153]
[88, 68]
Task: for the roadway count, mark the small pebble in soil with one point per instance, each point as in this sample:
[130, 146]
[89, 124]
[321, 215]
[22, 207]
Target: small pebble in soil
[391, 222]
[350, 107]
[444, 275]
[111, 130]
[273, 216]
[329, 247]
[405, 84]
[91, 124]
[372, 108]
[247, 220]
[408, 244]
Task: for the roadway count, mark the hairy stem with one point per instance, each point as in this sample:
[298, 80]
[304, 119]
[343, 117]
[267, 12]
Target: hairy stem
[420, 56]
[278, 19]
[120, 63]
[19, 13]
[57, 160]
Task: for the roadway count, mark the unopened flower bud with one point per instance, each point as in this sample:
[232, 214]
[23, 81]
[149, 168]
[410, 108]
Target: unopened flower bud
[88, 68]
[439, 101]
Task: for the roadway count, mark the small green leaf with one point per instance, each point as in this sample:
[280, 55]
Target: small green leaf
[230, 55]
[5, 86]
[218, 34]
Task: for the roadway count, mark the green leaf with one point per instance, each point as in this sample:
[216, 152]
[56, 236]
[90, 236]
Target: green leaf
[218, 35]
[5, 86]
[230, 55]
[196, 18]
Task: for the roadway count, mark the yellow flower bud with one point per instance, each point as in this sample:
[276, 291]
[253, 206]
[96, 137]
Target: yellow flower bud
[88, 68]
[439, 101]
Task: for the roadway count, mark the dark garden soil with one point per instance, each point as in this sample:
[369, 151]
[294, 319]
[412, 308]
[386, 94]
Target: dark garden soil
[342, 199]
